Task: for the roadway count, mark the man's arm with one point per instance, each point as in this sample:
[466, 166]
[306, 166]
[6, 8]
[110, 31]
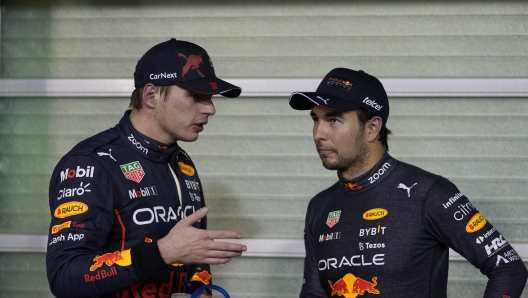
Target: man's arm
[83, 211]
[455, 221]
[311, 286]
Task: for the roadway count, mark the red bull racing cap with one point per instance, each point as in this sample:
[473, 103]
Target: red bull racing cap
[182, 63]
[344, 89]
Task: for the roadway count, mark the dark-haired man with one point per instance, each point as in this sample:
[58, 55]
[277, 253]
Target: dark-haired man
[385, 228]
[128, 210]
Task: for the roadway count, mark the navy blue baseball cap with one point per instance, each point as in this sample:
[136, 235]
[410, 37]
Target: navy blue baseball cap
[344, 89]
[182, 63]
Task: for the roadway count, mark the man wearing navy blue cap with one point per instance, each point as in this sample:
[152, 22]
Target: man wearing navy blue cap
[385, 227]
[128, 210]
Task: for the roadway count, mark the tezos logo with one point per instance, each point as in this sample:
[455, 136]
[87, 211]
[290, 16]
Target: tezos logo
[76, 191]
[70, 209]
[375, 213]
[138, 145]
[77, 173]
[372, 103]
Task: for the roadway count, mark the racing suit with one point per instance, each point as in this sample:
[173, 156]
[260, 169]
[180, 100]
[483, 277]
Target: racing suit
[388, 233]
[111, 198]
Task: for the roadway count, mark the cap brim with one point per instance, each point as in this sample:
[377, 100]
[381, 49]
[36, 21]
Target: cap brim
[306, 101]
[212, 86]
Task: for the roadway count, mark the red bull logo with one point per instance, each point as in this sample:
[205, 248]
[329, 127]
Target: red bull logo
[352, 186]
[202, 276]
[193, 62]
[109, 259]
[351, 286]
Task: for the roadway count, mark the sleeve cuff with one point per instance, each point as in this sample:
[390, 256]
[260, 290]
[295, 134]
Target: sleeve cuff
[146, 260]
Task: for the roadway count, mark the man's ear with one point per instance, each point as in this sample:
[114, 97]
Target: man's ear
[373, 128]
[149, 98]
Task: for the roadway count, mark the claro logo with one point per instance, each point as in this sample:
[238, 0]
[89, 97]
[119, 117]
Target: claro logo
[375, 213]
[70, 209]
[186, 169]
[477, 222]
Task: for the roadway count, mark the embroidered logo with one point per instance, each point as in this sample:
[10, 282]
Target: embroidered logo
[333, 218]
[133, 171]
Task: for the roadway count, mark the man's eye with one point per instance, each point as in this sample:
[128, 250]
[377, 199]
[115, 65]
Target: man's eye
[333, 120]
[315, 119]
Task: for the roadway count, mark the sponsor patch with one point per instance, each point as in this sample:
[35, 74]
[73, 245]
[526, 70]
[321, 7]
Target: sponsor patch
[375, 213]
[186, 169]
[333, 218]
[202, 276]
[70, 209]
[133, 171]
[121, 258]
[339, 83]
[477, 222]
[352, 286]
[329, 236]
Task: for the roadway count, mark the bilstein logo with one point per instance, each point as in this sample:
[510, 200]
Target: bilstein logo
[477, 222]
[133, 171]
[70, 209]
[186, 169]
[375, 213]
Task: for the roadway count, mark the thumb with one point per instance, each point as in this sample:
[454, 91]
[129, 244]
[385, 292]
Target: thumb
[196, 216]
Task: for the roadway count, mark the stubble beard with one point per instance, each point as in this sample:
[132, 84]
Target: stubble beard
[352, 162]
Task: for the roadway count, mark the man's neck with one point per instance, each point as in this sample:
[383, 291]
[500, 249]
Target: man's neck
[374, 154]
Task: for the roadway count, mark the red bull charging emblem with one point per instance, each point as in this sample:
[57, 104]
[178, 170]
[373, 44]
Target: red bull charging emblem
[351, 286]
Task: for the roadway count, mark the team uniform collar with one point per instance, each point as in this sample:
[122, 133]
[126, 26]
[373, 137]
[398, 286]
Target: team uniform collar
[374, 176]
[143, 145]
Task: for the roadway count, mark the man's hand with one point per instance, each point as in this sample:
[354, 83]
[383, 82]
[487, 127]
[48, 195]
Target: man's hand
[186, 244]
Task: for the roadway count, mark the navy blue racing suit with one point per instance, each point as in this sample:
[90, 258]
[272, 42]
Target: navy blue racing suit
[388, 234]
[111, 198]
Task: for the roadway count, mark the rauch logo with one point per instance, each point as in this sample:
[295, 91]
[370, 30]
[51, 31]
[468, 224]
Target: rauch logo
[186, 169]
[70, 209]
[375, 213]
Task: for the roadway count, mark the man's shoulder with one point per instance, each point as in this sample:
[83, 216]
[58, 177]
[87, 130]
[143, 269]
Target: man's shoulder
[93, 143]
[424, 175]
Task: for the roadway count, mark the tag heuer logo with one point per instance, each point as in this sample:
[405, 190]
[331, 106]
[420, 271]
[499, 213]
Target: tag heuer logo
[133, 171]
[333, 218]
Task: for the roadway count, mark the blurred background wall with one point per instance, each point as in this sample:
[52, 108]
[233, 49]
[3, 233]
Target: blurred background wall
[256, 157]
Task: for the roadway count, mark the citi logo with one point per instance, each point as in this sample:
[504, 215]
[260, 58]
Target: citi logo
[163, 75]
[143, 192]
[372, 103]
[77, 173]
[138, 145]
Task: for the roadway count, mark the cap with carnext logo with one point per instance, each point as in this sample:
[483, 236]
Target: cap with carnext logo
[345, 89]
[182, 63]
